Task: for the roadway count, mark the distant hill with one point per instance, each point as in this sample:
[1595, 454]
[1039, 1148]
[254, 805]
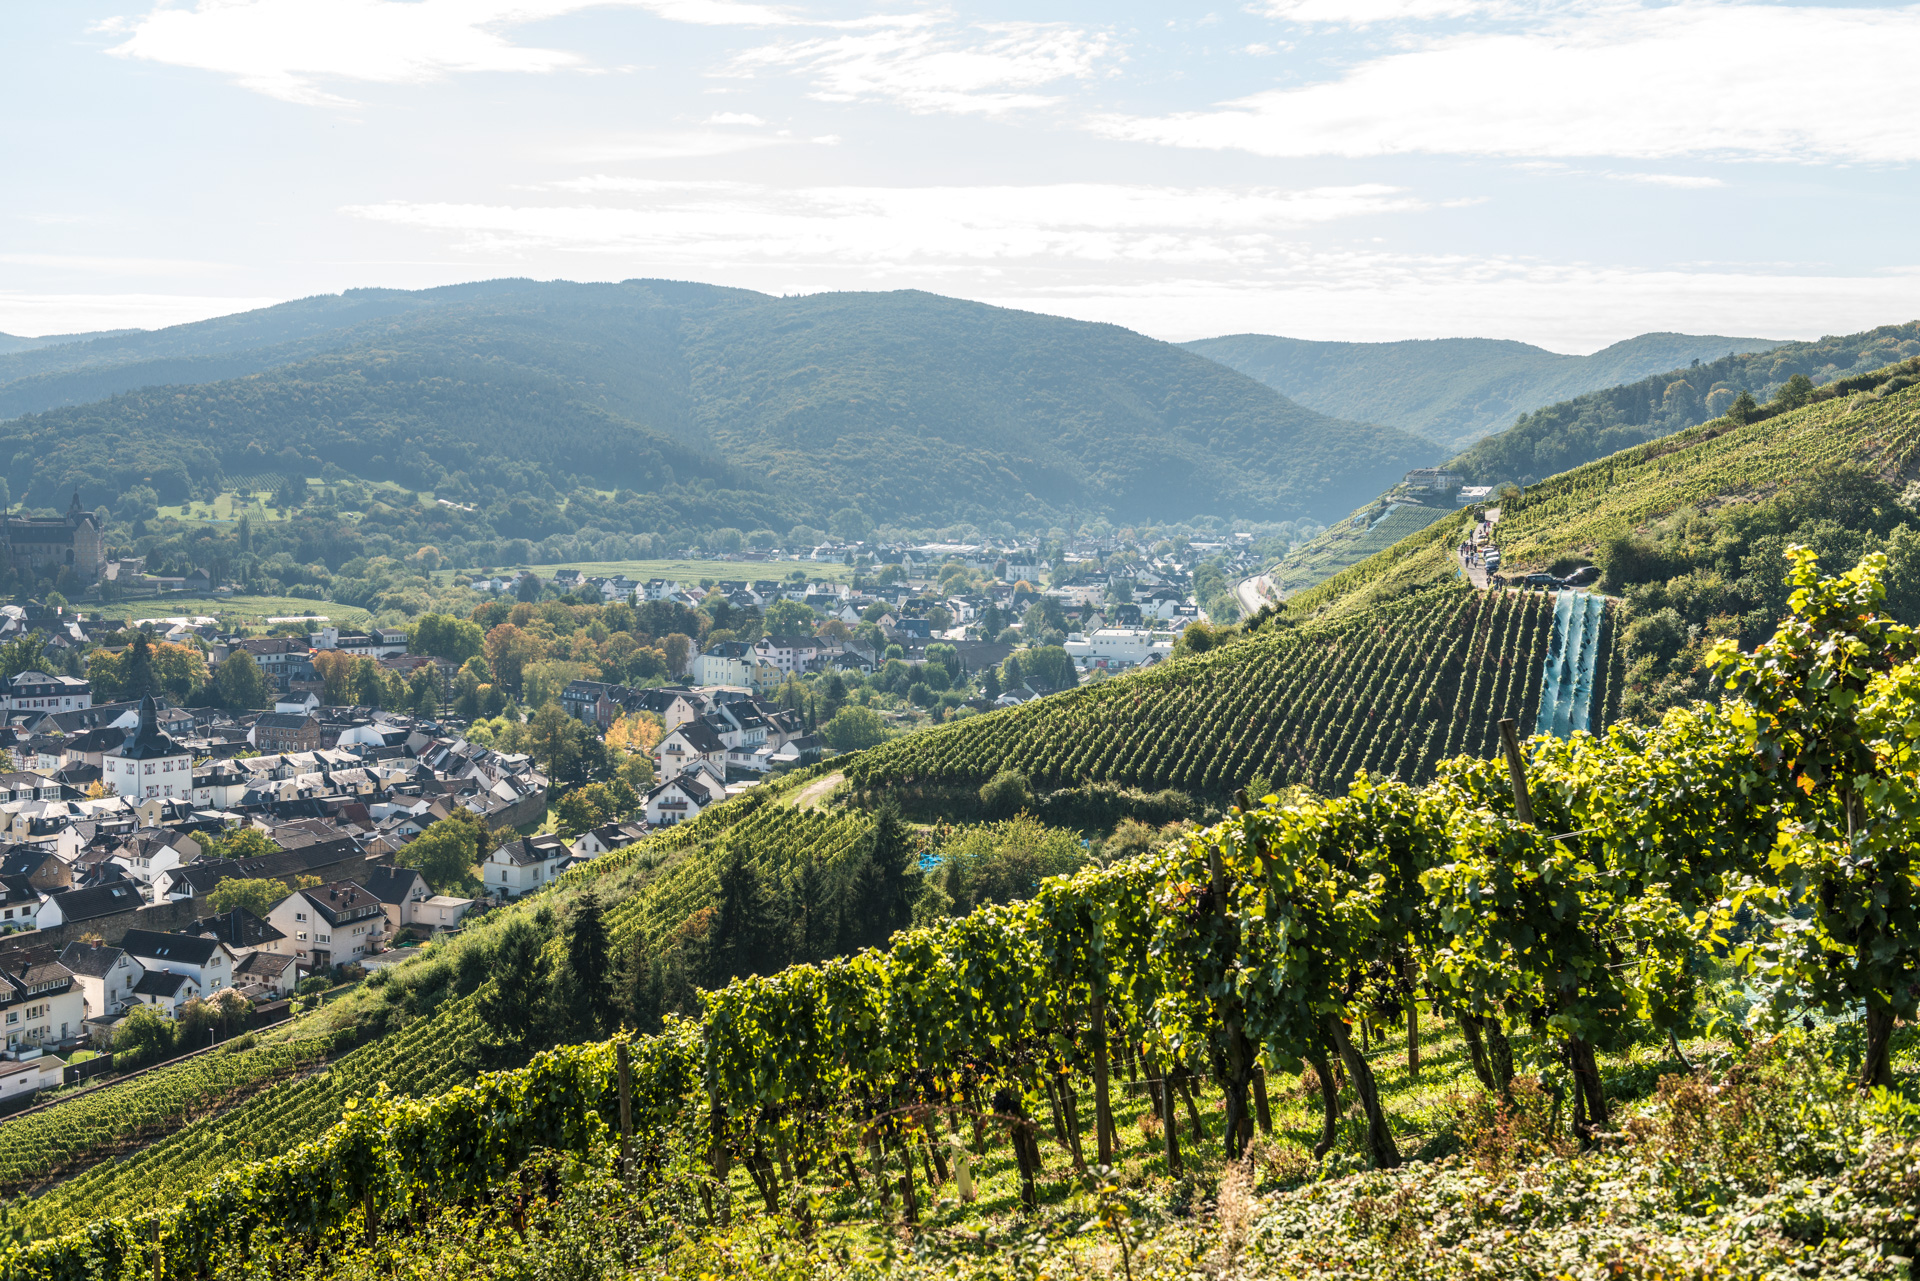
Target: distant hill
[10, 343]
[1451, 390]
[1871, 421]
[725, 406]
[1598, 423]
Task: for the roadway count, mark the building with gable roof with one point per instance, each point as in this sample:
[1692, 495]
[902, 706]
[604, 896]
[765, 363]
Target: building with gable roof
[149, 762]
[43, 545]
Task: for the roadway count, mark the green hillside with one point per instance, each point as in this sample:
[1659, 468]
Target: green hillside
[1452, 390]
[1719, 464]
[710, 406]
[1578, 430]
[1392, 692]
[1373, 528]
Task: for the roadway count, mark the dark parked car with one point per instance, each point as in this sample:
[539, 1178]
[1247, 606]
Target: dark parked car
[1547, 581]
[1583, 576]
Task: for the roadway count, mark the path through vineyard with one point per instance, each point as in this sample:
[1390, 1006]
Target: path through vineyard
[814, 795]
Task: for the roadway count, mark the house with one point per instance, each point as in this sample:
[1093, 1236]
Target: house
[400, 890]
[165, 992]
[207, 961]
[43, 869]
[789, 654]
[106, 976]
[266, 975]
[681, 749]
[149, 763]
[276, 732]
[682, 797]
[20, 904]
[153, 850]
[25, 785]
[728, 663]
[1434, 478]
[328, 925]
[37, 691]
[522, 866]
[440, 913]
[282, 661]
[606, 838]
[242, 931]
[90, 903]
[40, 1003]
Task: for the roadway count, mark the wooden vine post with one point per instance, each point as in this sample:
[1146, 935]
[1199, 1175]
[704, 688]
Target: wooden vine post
[1517, 768]
[626, 1110]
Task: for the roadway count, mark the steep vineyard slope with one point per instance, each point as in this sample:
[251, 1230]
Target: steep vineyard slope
[1391, 692]
[1576, 512]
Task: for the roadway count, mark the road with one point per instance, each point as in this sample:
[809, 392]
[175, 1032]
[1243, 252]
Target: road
[1252, 594]
[814, 795]
[1482, 538]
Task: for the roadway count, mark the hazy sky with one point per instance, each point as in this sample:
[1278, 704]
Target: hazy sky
[1568, 174]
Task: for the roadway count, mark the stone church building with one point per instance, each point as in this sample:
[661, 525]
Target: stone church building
[40, 546]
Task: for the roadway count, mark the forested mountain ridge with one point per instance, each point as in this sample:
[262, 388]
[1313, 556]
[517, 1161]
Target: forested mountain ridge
[903, 405]
[1581, 429]
[1451, 390]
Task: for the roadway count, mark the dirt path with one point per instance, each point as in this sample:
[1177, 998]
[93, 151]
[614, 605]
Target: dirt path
[814, 795]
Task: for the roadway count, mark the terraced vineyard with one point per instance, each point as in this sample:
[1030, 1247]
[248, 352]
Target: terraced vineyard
[44, 1144]
[426, 1058]
[1359, 536]
[1392, 692]
[1577, 511]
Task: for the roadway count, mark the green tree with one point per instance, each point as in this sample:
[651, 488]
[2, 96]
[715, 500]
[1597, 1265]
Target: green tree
[239, 683]
[445, 854]
[241, 841]
[789, 618]
[587, 989]
[444, 636]
[143, 1037]
[516, 1003]
[139, 679]
[1049, 667]
[24, 653]
[853, 728]
[259, 895]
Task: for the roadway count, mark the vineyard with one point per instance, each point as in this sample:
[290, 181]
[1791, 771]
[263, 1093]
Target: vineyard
[1371, 529]
[46, 1144]
[1391, 693]
[1576, 891]
[1579, 510]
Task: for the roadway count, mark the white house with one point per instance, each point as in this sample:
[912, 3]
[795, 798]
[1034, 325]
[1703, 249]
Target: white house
[524, 865]
[682, 797]
[328, 925]
[1117, 648]
[43, 1072]
[154, 850]
[165, 991]
[207, 961]
[606, 838]
[41, 1003]
[148, 763]
[728, 663]
[106, 976]
[37, 691]
[681, 749]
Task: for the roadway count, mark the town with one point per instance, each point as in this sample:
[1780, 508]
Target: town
[209, 827]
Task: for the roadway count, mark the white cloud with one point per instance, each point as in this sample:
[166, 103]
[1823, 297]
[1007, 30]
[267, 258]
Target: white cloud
[286, 48]
[1743, 81]
[734, 118]
[708, 224]
[665, 145]
[113, 265]
[32, 315]
[1361, 13]
[926, 64]
[1687, 181]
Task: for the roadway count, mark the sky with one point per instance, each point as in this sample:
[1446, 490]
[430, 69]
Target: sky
[1563, 174]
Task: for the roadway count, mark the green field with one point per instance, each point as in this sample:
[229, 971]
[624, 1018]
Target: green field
[248, 611]
[225, 509]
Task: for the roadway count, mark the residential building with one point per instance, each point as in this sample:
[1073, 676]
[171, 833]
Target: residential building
[788, 654]
[606, 838]
[207, 961]
[1117, 648]
[40, 1004]
[681, 749]
[728, 663]
[276, 732]
[524, 865]
[165, 992]
[682, 797]
[37, 691]
[106, 977]
[263, 976]
[328, 925]
[149, 763]
[242, 931]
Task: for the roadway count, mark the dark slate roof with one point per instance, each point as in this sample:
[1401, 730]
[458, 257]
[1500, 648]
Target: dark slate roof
[700, 737]
[24, 860]
[186, 949]
[284, 720]
[341, 901]
[99, 900]
[158, 983]
[237, 928]
[93, 962]
[529, 850]
[204, 875]
[391, 884]
[264, 964]
[148, 742]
